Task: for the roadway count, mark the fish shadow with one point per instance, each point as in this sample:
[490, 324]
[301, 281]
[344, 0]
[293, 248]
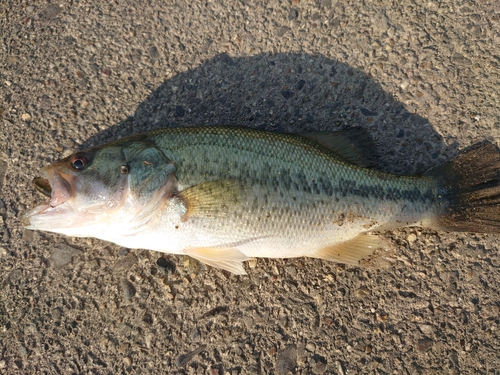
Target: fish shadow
[288, 92]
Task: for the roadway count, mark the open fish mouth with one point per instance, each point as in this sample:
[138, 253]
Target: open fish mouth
[54, 186]
[43, 186]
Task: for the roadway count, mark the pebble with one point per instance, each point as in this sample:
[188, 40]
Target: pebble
[153, 53]
[311, 347]
[299, 85]
[179, 111]
[426, 329]
[184, 359]
[252, 263]
[126, 263]
[286, 360]
[3, 169]
[62, 255]
[362, 293]
[287, 94]
[80, 74]
[293, 14]
[424, 344]
[128, 289]
[411, 237]
[319, 367]
[28, 235]
[51, 11]
[127, 361]
[25, 117]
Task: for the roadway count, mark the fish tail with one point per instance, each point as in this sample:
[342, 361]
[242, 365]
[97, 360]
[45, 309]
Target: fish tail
[469, 190]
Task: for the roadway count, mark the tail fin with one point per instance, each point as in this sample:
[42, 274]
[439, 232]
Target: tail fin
[469, 190]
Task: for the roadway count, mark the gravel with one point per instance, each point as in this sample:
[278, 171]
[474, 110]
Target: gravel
[421, 77]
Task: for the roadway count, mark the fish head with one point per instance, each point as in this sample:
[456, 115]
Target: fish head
[100, 186]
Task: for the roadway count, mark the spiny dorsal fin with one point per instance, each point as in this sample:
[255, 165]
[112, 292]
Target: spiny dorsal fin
[352, 251]
[353, 145]
[214, 198]
[229, 259]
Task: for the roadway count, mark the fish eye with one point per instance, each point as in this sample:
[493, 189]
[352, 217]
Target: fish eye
[79, 161]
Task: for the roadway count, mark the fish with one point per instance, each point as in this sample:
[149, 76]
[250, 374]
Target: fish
[224, 195]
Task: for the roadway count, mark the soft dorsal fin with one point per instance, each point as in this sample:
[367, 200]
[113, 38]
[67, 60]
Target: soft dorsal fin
[229, 259]
[352, 251]
[352, 145]
[214, 198]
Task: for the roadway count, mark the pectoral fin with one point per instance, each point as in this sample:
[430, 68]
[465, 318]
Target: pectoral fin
[228, 259]
[360, 248]
[215, 198]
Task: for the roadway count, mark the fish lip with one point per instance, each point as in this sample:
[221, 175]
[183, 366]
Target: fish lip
[53, 185]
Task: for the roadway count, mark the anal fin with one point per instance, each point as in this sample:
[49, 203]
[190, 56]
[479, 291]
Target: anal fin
[229, 259]
[353, 251]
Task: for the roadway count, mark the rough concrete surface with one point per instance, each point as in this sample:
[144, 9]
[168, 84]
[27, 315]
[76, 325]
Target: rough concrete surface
[422, 77]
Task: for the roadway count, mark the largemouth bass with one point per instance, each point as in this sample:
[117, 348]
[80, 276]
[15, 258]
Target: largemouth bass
[224, 195]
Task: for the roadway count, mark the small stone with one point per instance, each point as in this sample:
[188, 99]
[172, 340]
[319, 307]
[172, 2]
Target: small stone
[282, 31]
[367, 112]
[252, 263]
[3, 252]
[52, 11]
[319, 368]
[311, 347]
[299, 85]
[28, 235]
[293, 14]
[62, 255]
[272, 351]
[3, 169]
[22, 350]
[287, 94]
[153, 53]
[286, 360]
[382, 317]
[25, 117]
[127, 361]
[425, 65]
[424, 344]
[411, 238]
[179, 111]
[426, 329]
[126, 263]
[80, 74]
[404, 84]
[128, 289]
[362, 293]
[106, 72]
